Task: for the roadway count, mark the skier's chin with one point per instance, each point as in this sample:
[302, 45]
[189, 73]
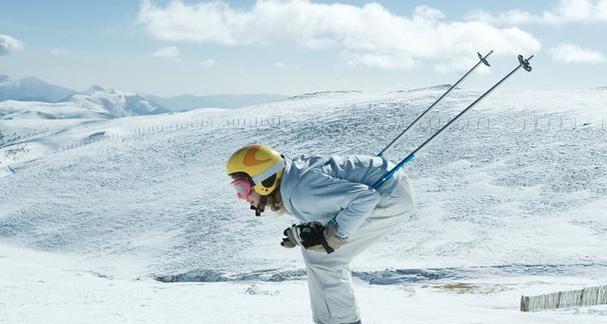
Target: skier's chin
[277, 211]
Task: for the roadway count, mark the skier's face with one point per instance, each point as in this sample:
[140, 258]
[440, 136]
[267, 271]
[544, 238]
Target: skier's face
[253, 199]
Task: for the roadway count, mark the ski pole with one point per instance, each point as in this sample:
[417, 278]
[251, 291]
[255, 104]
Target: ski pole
[481, 59]
[524, 63]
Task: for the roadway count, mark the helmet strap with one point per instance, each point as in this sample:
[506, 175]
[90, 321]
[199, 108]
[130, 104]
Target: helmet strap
[261, 206]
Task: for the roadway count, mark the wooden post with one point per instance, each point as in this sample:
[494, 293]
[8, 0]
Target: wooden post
[524, 304]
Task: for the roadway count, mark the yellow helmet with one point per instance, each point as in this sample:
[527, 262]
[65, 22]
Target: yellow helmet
[261, 164]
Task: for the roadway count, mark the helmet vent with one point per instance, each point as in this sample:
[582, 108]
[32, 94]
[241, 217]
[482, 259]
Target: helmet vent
[269, 181]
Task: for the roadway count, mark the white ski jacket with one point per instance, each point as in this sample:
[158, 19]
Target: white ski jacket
[335, 189]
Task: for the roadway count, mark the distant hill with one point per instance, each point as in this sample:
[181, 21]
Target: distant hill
[94, 103]
[189, 102]
[323, 94]
[31, 89]
[116, 103]
[442, 87]
[37, 90]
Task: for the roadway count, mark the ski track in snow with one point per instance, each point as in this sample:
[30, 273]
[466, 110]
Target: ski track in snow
[493, 201]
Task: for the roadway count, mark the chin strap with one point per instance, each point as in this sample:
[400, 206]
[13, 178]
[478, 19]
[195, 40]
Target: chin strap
[261, 206]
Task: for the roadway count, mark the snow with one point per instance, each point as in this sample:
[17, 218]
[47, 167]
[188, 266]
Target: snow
[40, 287]
[511, 201]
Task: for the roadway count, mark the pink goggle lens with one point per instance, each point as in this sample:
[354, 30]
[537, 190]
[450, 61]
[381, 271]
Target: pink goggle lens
[243, 188]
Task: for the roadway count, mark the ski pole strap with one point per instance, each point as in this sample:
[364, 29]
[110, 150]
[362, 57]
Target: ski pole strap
[324, 243]
[392, 172]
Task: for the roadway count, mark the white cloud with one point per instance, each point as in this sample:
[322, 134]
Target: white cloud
[564, 12]
[601, 10]
[208, 63]
[457, 63]
[169, 53]
[367, 35]
[9, 44]
[279, 65]
[570, 53]
[381, 61]
[59, 51]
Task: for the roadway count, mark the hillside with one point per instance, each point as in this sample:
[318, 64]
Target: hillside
[511, 200]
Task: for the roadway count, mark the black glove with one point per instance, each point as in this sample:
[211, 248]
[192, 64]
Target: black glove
[313, 236]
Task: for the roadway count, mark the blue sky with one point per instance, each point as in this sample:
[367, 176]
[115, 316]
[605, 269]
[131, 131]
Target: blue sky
[291, 47]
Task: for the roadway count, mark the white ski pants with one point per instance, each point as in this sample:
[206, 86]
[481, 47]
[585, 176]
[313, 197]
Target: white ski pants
[329, 276]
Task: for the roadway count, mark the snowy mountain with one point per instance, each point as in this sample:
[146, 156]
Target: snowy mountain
[31, 89]
[119, 104]
[94, 103]
[108, 212]
[189, 102]
[115, 103]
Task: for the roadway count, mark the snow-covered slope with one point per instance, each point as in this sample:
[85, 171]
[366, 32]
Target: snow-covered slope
[189, 102]
[31, 89]
[511, 200]
[11, 109]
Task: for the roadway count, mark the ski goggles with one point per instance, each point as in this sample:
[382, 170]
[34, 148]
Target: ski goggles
[243, 188]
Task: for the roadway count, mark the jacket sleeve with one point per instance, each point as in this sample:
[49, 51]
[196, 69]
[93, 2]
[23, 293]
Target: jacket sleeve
[350, 202]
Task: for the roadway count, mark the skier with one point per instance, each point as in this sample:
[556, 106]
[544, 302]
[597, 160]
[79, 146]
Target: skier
[341, 214]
